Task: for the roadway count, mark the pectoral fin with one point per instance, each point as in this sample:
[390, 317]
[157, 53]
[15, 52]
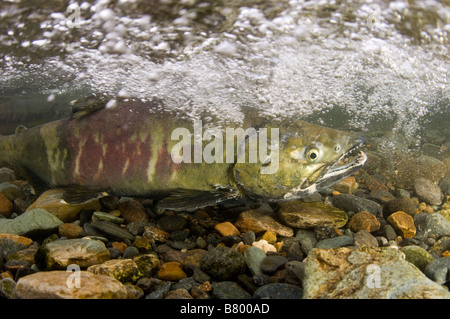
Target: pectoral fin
[76, 195]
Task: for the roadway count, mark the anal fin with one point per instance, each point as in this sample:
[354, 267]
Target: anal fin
[191, 200]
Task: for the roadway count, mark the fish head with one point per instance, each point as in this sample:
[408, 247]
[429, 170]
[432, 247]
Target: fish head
[305, 159]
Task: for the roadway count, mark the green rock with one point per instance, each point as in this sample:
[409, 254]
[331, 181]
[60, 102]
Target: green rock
[124, 270]
[107, 217]
[143, 244]
[335, 242]
[253, 258]
[8, 288]
[148, 264]
[418, 256]
[299, 214]
[33, 223]
[223, 263]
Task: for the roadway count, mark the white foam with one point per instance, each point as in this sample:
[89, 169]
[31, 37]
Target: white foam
[296, 60]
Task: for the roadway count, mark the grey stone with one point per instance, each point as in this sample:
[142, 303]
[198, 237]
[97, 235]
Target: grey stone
[229, 290]
[295, 272]
[307, 239]
[253, 257]
[279, 291]
[160, 292]
[431, 224]
[33, 223]
[186, 283]
[438, 270]
[389, 232]
[335, 242]
[404, 204]
[428, 191]
[199, 275]
[364, 238]
[349, 202]
[366, 273]
[130, 252]
[112, 231]
[271, 264]
[172, 223]
[295, 252]
[136, 228]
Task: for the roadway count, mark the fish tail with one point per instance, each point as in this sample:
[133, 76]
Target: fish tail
[7, 149]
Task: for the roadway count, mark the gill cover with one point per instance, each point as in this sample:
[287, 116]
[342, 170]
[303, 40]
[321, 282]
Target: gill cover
[306, 155]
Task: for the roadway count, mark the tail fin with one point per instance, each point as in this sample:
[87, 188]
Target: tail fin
[7, 149]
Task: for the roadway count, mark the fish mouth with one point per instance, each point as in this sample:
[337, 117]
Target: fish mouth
[350, 162]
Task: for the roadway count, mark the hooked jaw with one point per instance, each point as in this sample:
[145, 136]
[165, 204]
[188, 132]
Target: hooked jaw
[332, 173]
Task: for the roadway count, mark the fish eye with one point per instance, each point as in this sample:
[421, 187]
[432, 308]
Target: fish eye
[312, 154]
[337, 148]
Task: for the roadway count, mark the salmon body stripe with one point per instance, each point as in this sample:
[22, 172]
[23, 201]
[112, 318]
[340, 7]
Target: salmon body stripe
[127, 148]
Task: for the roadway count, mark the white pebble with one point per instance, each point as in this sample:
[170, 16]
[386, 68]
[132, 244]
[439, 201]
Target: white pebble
[264, 245]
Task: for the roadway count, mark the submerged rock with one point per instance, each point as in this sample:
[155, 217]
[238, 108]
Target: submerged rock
[59, 284]
[223, 263]
[59, 254]
[124, 270]
[368, 273]
[278, 291]
[253, 257]
[260, 221]
[299, 214]
[33, 223]
[418, 256]
[439, 270]
[404, 204]
[8, 288]
[229, 290]
[428, 191]
[356, 204]
[6, 206]
[52, 201]
[364, 221]
[431, 224]
[403, 224]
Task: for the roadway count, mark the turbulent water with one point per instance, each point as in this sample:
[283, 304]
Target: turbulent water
[380, 67]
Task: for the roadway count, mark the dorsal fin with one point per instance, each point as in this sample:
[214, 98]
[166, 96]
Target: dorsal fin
[20, 129]
[86, 106]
